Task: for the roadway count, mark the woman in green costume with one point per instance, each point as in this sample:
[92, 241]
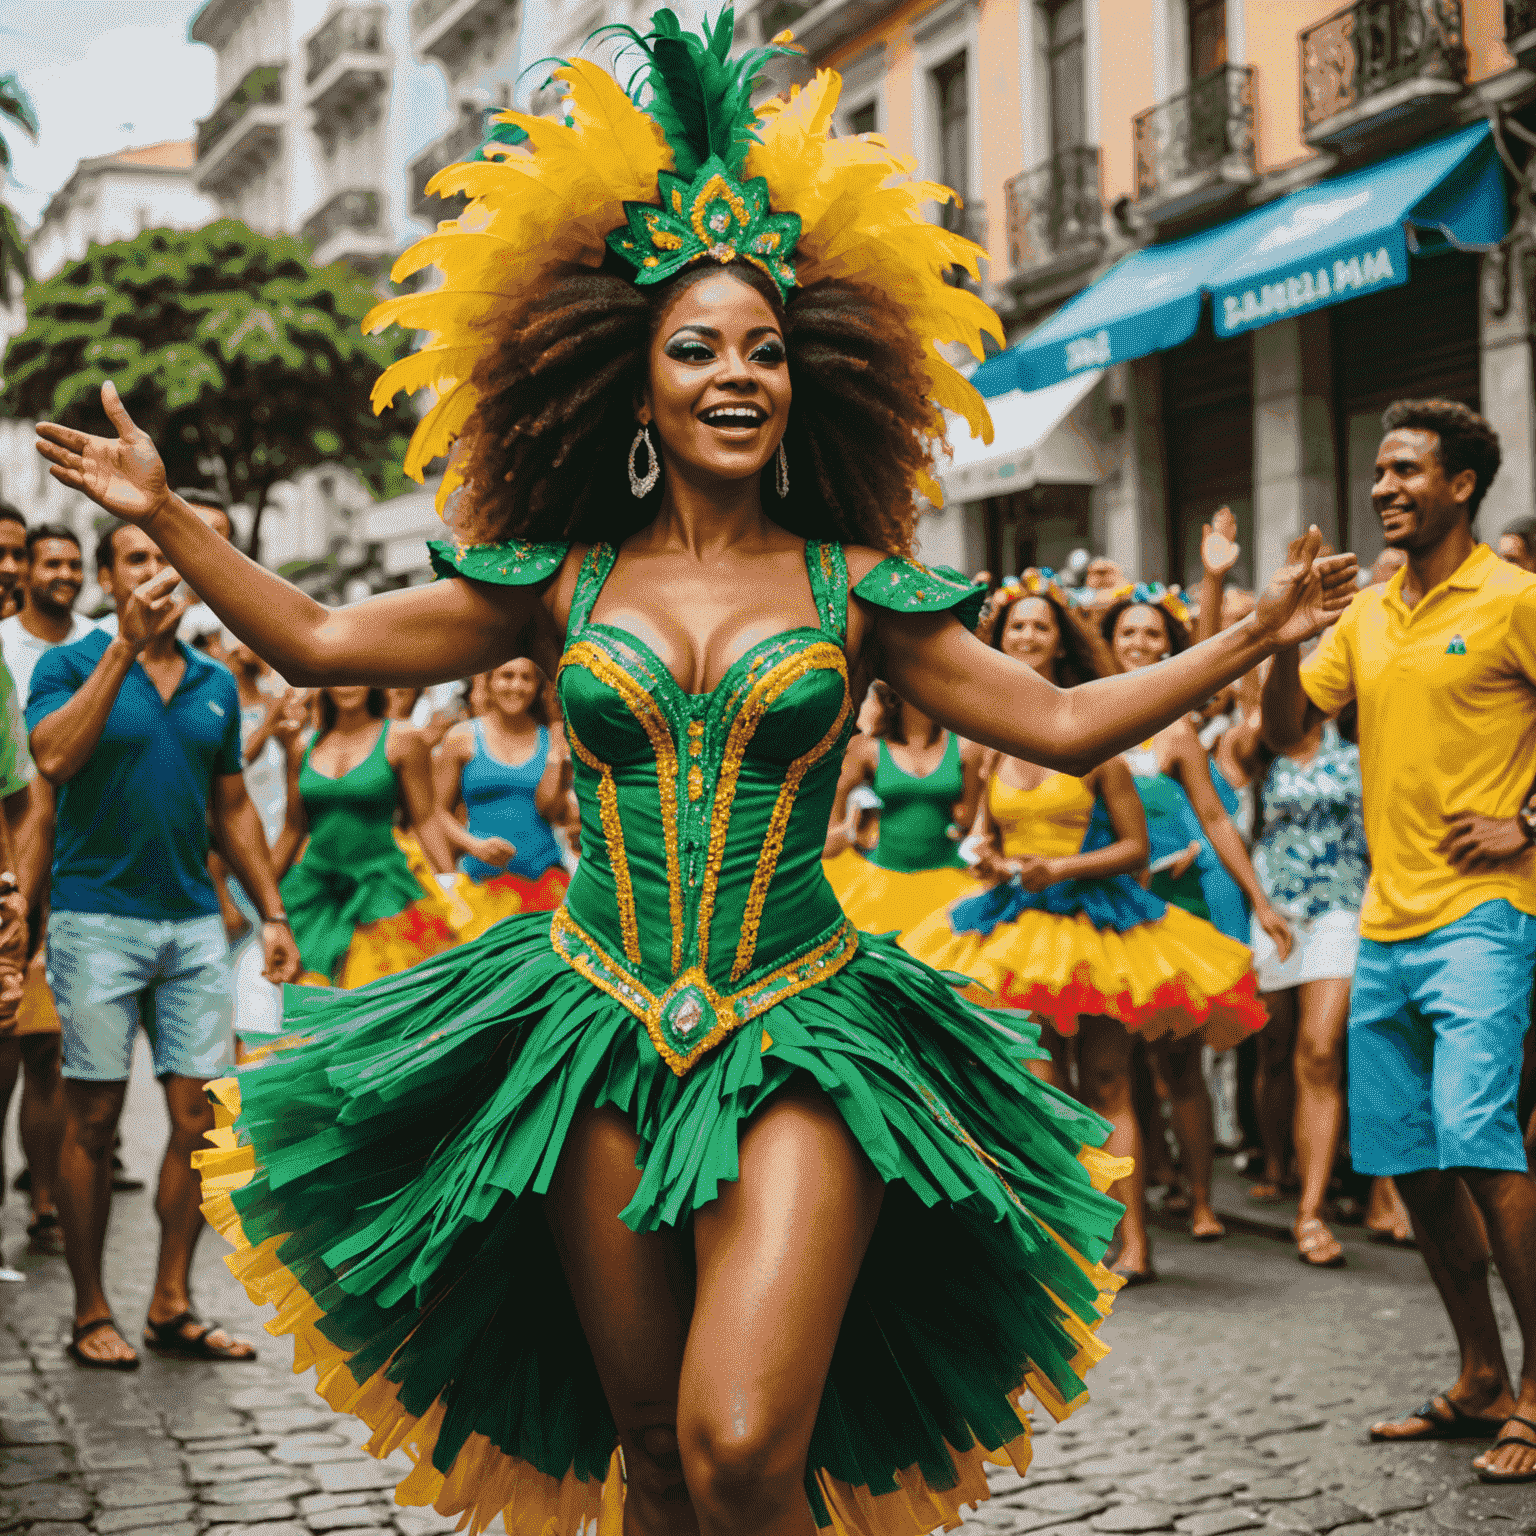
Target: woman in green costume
[690, 1208]
[357, 910]
[928, 782]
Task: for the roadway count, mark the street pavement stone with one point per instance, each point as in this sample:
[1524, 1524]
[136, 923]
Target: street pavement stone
[1235, 1399]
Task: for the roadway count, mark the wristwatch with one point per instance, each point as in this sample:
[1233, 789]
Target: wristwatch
[1526, 816]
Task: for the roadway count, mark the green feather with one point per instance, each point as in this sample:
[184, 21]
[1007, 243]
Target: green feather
[688, 83]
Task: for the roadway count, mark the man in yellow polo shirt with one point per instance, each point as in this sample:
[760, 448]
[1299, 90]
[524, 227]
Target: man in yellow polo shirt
[1442, 661]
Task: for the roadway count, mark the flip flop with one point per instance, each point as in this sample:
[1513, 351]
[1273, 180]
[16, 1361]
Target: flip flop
[167, 1339]
[1492, 1474]
[79, 1356]
[1460, 1426]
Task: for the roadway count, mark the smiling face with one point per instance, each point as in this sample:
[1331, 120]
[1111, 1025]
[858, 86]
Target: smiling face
[56, 575]
[1032, 635]
[1140, 638]
[718, 388]
[1418, 506]
[513, 687]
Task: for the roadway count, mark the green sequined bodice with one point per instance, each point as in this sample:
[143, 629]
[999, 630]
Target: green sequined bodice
[698, 811]
[700, 900]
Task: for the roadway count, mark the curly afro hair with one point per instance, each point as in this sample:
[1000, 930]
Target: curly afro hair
[545, 455]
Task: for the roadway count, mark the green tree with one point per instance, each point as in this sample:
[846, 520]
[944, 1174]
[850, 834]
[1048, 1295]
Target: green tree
[15, 111]
[231, 349]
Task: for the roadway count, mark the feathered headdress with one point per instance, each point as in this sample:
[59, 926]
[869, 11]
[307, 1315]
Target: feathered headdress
[679, 168]
[1153, 594]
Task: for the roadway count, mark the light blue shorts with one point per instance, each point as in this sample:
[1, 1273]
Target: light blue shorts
[1436, 1025]
[112, 974]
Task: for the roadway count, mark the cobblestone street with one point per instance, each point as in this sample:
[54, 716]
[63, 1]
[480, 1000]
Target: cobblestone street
[1235, 1400]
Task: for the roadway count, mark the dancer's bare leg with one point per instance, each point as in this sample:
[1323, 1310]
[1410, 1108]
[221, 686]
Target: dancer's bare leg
[1274, 1091]
[634, 1296]
[778, 1253]
[1104, 1084]
[1194, 1125]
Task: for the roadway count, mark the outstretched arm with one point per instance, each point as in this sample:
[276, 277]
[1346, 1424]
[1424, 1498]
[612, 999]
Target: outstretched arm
[989, 697]
[422, 635]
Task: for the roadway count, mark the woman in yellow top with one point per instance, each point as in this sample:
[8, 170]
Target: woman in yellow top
[927, 781]
[1065, 933]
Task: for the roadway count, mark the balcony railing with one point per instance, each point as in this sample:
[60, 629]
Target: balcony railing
[1198, 131]
[357, 210]
[1376, 47]
[459, 143]
[1055, 208]
[357, 29]
[1520, 29]
[261, 87]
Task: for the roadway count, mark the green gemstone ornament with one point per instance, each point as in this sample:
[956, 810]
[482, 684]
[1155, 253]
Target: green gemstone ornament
[713, 217]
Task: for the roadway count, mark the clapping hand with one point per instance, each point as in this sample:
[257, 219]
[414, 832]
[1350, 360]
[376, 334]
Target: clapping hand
[1306, 594]
[124, 474]
[153, 607]
[1219, 548]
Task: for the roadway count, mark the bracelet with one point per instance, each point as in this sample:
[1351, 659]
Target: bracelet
[277, 917]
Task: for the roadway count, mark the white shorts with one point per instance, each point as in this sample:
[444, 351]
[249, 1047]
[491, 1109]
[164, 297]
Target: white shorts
[1325, 948]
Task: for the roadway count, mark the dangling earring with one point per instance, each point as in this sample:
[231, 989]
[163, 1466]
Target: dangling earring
[781, 471]
[642, 485]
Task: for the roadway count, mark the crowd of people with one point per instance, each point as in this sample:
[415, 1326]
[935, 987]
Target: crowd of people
[200, 832]
[1196, 924]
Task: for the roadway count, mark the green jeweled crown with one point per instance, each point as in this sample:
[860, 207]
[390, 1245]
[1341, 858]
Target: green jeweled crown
[712, 216]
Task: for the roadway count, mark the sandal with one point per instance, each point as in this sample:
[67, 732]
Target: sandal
[1492, 1474]
[1313, 1238]
[90, 1362]
[168, 1340]
[45, 1236]
[1460, 1426]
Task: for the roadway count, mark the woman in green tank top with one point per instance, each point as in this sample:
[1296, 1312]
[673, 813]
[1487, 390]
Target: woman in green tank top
[357, 910]
[927, 781]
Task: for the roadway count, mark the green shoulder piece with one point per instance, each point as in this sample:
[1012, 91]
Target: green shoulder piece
[512, 563]
[907, 587]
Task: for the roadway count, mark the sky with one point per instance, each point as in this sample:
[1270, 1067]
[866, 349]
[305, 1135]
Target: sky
[103, 75]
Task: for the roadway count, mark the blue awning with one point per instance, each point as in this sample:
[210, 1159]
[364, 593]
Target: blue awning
[1329, 242]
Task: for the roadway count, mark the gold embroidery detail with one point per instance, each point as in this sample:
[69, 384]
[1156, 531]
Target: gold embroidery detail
[821, 656]
[732, 1010]
[613, 836]
[695, 783]
[773, 843]
[643, 707]
[695, 737]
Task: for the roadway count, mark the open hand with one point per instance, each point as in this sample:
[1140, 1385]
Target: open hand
[1219, 548]
[1306, 594]
[1475, 844]
[124, 474]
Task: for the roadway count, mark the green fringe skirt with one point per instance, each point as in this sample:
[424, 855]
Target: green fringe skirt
[375, 1173]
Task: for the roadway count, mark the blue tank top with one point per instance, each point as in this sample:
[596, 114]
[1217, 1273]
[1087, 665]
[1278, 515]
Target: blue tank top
[499, 798]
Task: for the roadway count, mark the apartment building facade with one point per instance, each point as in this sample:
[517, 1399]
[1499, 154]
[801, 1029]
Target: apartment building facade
[1106, 145]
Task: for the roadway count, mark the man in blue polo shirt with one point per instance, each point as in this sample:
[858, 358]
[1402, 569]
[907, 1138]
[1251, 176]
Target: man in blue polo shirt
[141, 736]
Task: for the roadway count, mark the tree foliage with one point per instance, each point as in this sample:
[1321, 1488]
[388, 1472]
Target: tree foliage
[16, 111]
[230, 348]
